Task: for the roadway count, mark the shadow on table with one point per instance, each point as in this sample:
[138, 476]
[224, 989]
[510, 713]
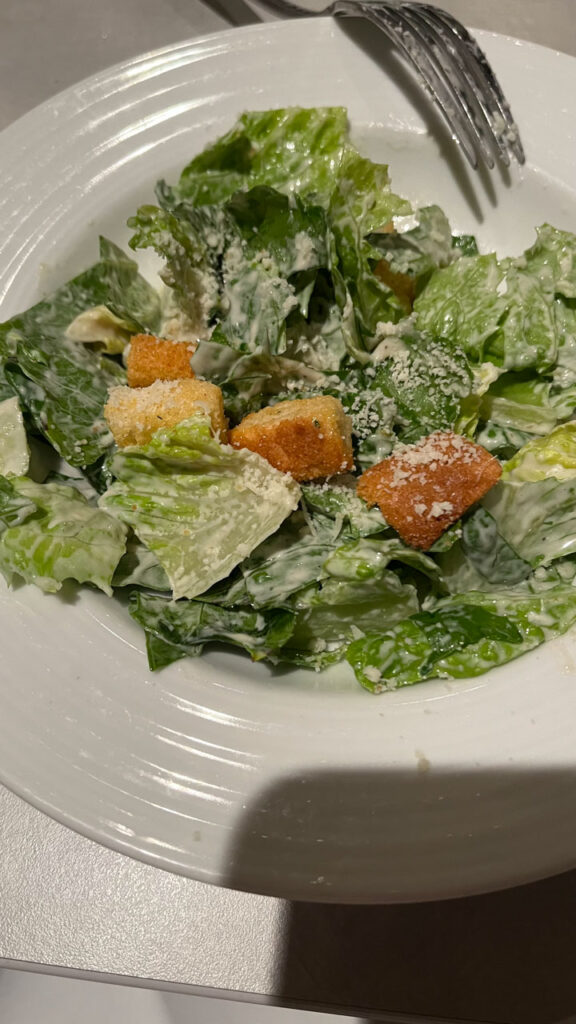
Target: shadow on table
[504, 957]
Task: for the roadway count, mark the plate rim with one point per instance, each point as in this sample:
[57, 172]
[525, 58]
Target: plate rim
[60, 99]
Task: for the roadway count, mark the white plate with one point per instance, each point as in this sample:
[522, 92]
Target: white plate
[292, 784]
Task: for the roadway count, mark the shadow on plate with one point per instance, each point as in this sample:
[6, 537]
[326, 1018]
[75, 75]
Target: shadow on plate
[237, 12]
[473, 185]
[506, 956]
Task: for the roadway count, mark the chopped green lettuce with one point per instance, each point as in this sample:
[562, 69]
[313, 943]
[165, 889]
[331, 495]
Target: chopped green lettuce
[61, 537]
[537, 518]
[427, 379]
[488, 552]
[201, 507]
[14, 450]
[369, 558]
[552, 259]
[420, 249]
[361, 203]
[463, 303]
[139, 567]
[15, 507]
[551, 456]
[519, 402]
[184, 627]
[293, 149]
[425, 645]
[338, 500]
[62, 386]
[331, 616]
[288, 561]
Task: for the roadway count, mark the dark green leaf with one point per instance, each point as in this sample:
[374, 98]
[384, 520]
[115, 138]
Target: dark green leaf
[188, 625]
[489, 553]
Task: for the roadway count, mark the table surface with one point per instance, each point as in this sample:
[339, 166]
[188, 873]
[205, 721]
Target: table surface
[69, 905]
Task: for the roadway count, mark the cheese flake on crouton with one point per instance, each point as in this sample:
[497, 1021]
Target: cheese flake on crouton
[134, 414]
[307, 437]
[422, 489]
[150, 358]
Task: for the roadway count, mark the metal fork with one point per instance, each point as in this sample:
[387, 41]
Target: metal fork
[450, 65]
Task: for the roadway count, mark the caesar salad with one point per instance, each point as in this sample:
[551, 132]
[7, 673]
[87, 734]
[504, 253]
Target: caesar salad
[334, 432]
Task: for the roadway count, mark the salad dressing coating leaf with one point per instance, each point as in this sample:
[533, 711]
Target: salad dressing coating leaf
[291, 149]
[14, 450]
[57, 535]
[463, 303]
[62, 385]
[464, 635]
[427, 380]
[199, 506]
[186, 626]
[421, 249]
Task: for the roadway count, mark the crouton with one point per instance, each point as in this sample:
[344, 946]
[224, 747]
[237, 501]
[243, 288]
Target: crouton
[151, 359]
[403, 285]
[134, 414]
[307, 437]
[422, 489]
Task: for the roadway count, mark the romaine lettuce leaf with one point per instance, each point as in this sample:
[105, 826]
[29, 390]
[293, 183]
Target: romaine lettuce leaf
[465, 244]
[361, 204]
[552, 259]
[15, 508]
[420, 249]
[125, 292]
[426, 379]
[14, 451]
[64, 388]
[184, 627]
[113, 286]
[330, 616]
[199, 506]
[505, 310]
[534, 503]
[492, 557]
[291, 149]
[253, 380]
[255, 273]
[520, 402]
[289, 561]
[191, 243]
[502, 441]
[528, 335]
[62, 385]
[551, 456]
[139, 567]
[434, 643]
[63, 538]
[369, 558]
[339, 501]
[538, 519]
[463, 303]
[294, 234]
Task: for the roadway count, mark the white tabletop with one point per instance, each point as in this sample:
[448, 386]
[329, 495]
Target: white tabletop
[69, 905]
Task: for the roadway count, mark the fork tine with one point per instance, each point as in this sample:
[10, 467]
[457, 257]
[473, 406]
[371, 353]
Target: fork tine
[441, 42]
[486, 90]
[409, 40]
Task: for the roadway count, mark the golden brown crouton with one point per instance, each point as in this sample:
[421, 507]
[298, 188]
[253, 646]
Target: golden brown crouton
[422, 489]
[134, 414]
[306, 437]
[403, 285]
[151, 359]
